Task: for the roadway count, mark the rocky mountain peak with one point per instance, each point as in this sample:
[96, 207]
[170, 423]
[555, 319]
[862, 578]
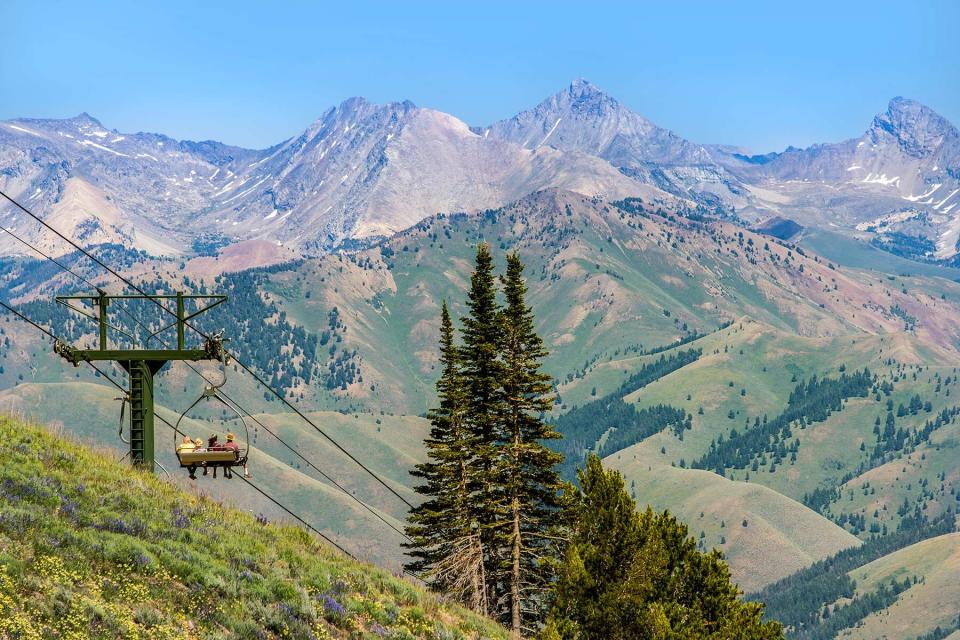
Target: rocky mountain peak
[582, 84]
[917, 129]
[583, 118]
[584, 100]
[580, 117]
[583, 91]
[86, 118]
[356, 110]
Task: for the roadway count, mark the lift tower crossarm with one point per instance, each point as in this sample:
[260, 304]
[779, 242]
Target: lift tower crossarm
[141, 364]
[76, 356]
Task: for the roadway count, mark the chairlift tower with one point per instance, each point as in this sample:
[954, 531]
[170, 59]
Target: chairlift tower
[141, 364]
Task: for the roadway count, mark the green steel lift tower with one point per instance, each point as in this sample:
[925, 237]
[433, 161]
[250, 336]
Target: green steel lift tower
[141, 364]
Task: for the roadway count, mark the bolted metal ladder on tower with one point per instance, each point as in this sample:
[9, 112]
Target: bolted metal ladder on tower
[141, 365]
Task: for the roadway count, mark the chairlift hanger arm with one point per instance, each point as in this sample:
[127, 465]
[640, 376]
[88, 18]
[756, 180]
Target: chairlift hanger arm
[212, 349]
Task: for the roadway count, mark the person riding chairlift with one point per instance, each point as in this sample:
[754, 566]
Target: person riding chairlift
[232, 445]
[189, 445]
[213, 445]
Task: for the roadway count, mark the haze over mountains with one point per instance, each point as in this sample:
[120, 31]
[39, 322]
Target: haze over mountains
[365, 170]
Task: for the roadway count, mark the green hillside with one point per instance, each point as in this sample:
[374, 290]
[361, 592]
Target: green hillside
[748, 370]
[607, 281]
[932, 601]
[91, 549]
[763, 535]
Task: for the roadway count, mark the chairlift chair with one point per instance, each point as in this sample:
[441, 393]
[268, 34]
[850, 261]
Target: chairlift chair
[213, 458]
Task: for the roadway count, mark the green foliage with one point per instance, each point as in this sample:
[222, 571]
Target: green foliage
[441, 525]
[653, 371]
[639, 575]
[904, 245]
[583, 427]
[894, 440]
[939, 633]
[482, 373]
[529, 484]
[835, 619]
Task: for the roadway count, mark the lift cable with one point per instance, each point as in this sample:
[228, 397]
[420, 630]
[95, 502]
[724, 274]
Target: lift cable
[78, 247]
[167, 422]
[51, 259]
[259, 490]
[255, 376]
[373, 511]
[326, 476]
[293, 515]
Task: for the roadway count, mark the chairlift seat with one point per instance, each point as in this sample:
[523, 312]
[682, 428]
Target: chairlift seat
[222, 456]
[216, 458]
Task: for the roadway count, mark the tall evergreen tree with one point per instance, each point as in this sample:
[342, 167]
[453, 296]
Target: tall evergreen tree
[444, 539]
[528, 479]
[639, 575]
[485, 533]
[483, 371]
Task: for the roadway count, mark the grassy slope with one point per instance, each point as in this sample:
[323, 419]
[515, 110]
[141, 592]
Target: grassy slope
[933, 601]
[929, 477]
[89, 548]
[390, 448]
[762, 360]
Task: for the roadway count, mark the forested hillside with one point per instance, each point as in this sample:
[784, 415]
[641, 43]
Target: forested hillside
[778, 402]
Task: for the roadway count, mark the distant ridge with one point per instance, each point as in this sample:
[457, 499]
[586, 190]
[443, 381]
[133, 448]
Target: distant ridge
[366, 170]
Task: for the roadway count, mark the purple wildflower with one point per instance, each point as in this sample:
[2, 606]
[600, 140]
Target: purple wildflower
[331, 607]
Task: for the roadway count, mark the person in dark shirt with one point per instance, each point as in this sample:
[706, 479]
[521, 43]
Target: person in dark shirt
[213, 445]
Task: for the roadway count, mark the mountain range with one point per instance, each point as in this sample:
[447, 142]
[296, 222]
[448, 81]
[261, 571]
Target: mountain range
[363, 170]
[735, 287]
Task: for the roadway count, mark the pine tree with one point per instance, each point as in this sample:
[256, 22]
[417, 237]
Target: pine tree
[483, 371]
[486, 533]
[526, 467]
[444, 541]
[639, 575]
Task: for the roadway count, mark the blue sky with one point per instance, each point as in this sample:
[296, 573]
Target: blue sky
[759, 74]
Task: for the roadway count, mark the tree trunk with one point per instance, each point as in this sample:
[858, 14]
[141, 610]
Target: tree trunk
[515, 573]
[484, 607]
[479, 577]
